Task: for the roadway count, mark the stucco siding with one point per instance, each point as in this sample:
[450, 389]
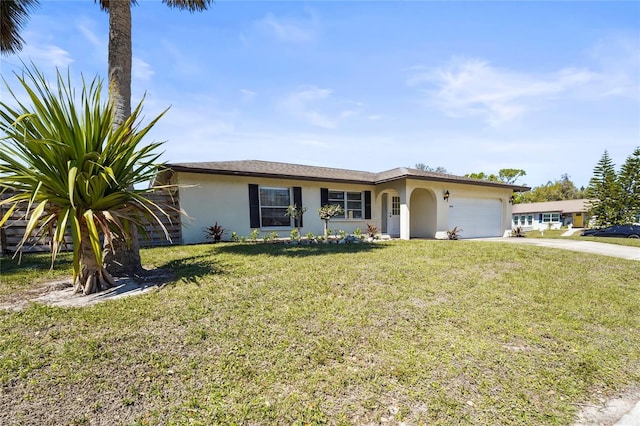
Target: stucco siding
[225, 199]
[208, 198]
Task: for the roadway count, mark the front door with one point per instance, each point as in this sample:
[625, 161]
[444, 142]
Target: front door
[393, 220]
[577, 220]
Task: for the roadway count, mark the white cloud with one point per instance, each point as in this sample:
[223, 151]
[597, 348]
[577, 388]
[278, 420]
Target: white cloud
[303, 104]
[320, 108]
[247, 94]
[44, 54]
[289, 29]
[86, 28]
[474, 87]
[141, 70]
[618, 56]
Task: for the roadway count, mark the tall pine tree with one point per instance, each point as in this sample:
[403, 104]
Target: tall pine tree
[604, 191]
[629, 180]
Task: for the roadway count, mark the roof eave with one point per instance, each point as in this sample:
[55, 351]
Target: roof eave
[267, 175]
[373, 181]
[514, 188]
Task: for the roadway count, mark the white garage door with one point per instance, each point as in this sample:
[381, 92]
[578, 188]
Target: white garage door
[477, 217]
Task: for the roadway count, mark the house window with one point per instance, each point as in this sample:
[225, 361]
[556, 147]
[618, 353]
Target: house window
[522, 219]
[273, 206]
[550, 217]
[395, 206]
[351, 203]
[515, 220]
[530, 219]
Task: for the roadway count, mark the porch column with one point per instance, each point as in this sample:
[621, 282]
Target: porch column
[405, 219]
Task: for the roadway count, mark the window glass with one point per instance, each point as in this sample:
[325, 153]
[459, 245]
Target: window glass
[555, 217]
[546, 217]
[530, 220]
[273, 206]
[395, 206]
[351, 203]
[522, 219]
[515, 220]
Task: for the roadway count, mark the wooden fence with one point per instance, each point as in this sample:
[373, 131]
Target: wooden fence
[12, 231]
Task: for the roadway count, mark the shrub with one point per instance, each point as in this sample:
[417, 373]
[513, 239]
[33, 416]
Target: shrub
[454, 233]
[214, 232]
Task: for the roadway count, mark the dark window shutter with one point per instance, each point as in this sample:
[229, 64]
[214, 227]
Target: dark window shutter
[324, 196]
[297, 200]
[254, 206]
[367, 204]
[540, 218]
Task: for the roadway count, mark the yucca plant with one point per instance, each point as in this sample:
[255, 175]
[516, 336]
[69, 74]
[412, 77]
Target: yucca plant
[69, 167]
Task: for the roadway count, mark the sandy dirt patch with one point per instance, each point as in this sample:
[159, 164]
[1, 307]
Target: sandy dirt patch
[621, 410]
[60, 292]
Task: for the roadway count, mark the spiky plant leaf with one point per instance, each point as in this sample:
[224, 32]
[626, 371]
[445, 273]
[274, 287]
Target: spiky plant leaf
[63, 154]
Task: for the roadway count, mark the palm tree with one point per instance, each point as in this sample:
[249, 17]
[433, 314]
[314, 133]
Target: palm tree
[121, 258]
[71, 167]
[13, 16]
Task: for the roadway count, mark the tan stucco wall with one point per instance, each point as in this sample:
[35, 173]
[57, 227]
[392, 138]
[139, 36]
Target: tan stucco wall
[225, 199]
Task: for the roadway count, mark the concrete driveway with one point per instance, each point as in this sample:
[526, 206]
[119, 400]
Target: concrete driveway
[613, 250]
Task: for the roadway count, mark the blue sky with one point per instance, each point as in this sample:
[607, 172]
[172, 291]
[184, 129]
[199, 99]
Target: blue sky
[468, 86]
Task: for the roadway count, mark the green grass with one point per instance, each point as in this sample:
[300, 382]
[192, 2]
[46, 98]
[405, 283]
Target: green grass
[557, 233]
[427, 332]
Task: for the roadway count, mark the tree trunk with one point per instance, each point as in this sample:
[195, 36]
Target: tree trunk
[93, 277]
[120, 57]
[121, 258]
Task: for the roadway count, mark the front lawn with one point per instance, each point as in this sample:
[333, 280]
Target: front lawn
[426, 332]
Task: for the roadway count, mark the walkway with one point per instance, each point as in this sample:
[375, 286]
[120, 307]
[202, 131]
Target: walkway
[613, 250]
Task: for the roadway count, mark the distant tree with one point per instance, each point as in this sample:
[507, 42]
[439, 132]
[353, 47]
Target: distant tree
[510, 175]
[13, 17]
[563, 189]
[629, 179]
[483, 176]
[604, 191]
[425, 168]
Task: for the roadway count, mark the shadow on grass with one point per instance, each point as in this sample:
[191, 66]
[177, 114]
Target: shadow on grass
[35, 262]
[193, 268]
[297, 251]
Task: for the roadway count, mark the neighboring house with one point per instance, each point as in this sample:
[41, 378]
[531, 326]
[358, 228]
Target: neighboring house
[550, 214]
[404, 203]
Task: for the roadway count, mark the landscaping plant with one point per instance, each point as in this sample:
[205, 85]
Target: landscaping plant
[68, 166]
[454, 233]
[327, 212]
[372, 230]
[215, 232]
[296, 213]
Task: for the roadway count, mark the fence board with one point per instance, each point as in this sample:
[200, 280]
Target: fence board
[12, 231]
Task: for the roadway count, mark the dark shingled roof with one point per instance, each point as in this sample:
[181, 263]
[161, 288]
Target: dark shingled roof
[272, 169]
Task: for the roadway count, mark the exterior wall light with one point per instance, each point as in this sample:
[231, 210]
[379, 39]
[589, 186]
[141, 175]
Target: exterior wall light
[446, 196]
[512, 199]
